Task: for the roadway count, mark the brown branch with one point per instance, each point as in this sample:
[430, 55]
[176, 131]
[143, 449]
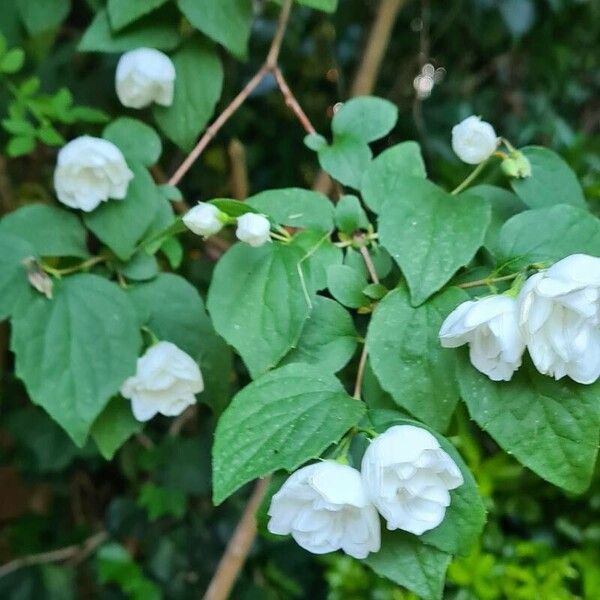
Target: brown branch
[369, 264]
[239, 170]
[76, 553]
[369, 66]
[291, 101]
[238, 547]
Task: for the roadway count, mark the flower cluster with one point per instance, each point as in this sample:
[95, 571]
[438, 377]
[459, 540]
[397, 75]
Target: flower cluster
[556, 316]
[328, 506]
[206, 220]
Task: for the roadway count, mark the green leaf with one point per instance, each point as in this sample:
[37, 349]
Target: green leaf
[141, 267]
[549, 234]
[314, 141]
[504, 205]
[225, 21]
[42, 15]
[328, 339]
[366, 118]
[233, 208]
[19, 127]
[12, 61]
[430, 233]
[14, 286]
[551, 427]
[18, 146]
[124, 12]
[380, 258]
[326, 5]
[197, 90]
[346, 286]
[463, 523]
[279, 421]
[151, 31]
[350, 215]
[50, 230]
[258, 303]
[319, 253]
[120, 224]
[50, 136]
[137, 141]
[552, 181]
[386, 172]
[115, 425]
[408, 359]
[160, 501]
[91, 328]
[407, 561]
[295, 207]
[346, 159]
[173, 310]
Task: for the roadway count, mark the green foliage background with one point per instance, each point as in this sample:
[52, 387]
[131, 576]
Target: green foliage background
[532, 68]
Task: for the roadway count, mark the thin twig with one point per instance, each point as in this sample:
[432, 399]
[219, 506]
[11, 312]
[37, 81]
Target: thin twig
[482, 282]
[239, 170]
[291, 101]
[369, 264]
[360, 373]
[76, 553]
[238, 547]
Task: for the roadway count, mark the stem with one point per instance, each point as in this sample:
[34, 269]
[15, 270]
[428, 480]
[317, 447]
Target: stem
[238, 547]
[487, 281]
[291, 101]
[360, 374]
[369, 264]
[90, 262]
[469, 178]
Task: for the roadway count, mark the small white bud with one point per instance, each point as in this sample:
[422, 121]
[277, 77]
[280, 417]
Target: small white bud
[203, 219]
[253, 229]
[474, 140]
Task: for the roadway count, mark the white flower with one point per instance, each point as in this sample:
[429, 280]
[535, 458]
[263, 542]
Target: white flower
[253, 229]
[165, 382]
[407, 476]
[474, 140]
[491, 328]
[324, 506]
[203, 219]
[143, 76]
[560, 318]
[89, 171]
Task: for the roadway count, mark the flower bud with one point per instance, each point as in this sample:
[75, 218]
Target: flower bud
[253, 229]
[143, 76]
[89, 171]
[203, 219]
[516, 165]
[474, 140]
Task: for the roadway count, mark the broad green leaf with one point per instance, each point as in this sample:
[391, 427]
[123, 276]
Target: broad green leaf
[137, 141]
[552, 181]
[350, 215]
[50, 230]
[279, 421]
[319, 253]
[549, 234]
[346, 159]
[385, 173]
[366, 118]
[197, 90]
[121, 224]
[225, 21]
[430, 233]
[346, 286]
[328, 339]
[380, 258]
[115, 425]
[408, 359]
[407, 561]
[124, 12]
[325, 5]
[150, 31]
[465, 517]
[233, 208]
[551, 427]
[42, 15]
[90, 326]
[141, 267]
[505, 204]
[295, 207]
[258, 302]
[14, 286]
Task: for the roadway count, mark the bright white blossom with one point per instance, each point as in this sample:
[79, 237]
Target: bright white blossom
[143, 76]
[474, 140]
[203, 219]
[407, 476]
[89, 171]
[560, 318]
[165, 382]
[325, 508]
[253, 229]
[491, 328]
